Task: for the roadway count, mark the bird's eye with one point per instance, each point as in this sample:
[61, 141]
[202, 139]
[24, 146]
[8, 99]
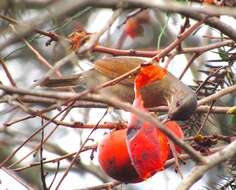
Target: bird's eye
[177, 103]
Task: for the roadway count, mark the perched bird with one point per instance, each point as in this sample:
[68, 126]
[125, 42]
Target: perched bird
[169, 91]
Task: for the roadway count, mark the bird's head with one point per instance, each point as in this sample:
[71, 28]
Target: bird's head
[181, 108]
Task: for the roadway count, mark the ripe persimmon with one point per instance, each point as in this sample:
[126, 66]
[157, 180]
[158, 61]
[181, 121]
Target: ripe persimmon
[115, 160]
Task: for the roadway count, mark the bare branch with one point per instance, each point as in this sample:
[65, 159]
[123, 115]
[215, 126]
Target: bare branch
[217, 95]
[198, 171]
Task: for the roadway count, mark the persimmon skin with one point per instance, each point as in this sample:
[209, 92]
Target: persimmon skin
[114, 158]
[177, 131]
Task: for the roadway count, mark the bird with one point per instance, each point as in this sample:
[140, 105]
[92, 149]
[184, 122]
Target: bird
[169, 91]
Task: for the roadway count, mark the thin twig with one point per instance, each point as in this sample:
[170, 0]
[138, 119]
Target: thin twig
[205, 119]
[207, 79]
[217, 95]
[12, 81]
[141, 53]
[190, 62]
[68, 109]
[55, 175]
[55, 160]
[40, 57]
[179, 39]
[41, 160]
[79, 151]
[28, 139]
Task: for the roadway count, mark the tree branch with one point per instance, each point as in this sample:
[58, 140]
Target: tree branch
[198, 171]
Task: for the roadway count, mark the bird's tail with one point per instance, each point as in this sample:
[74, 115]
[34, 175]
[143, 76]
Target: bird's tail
[64, 81]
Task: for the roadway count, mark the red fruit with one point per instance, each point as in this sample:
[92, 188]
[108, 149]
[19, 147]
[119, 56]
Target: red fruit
[177, 131]
[133, 28]
[114, 158]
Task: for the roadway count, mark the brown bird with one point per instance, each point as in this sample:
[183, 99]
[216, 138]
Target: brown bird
[169, 91]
